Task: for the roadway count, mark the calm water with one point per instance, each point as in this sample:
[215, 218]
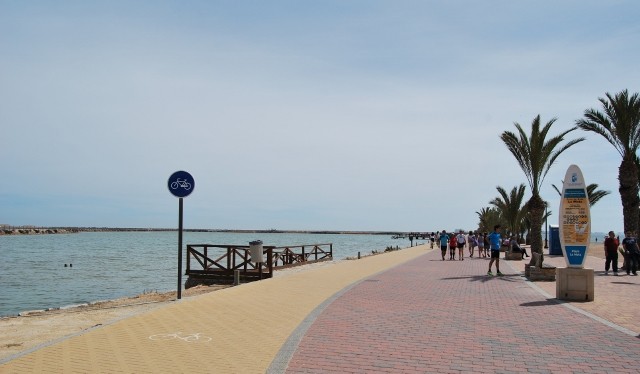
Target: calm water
[118, 264]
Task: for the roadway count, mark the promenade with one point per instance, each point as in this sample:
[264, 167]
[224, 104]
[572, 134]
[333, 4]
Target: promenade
[400, 312]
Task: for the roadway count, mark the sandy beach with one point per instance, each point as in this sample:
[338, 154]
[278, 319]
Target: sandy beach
[31, 330]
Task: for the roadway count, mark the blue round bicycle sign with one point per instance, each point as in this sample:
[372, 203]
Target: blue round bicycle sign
[181, 184]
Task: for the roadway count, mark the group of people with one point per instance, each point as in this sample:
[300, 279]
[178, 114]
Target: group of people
[459, 241]
[488, 245]
[629, 250]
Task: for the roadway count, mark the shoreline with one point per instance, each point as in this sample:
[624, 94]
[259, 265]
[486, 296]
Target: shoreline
[140, 299]
[156, 296]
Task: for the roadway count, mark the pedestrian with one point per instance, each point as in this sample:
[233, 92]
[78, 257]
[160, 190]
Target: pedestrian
[481, 245]
[611, 253]
[495, 241]
[473, 243]
[444, 241]
[461, 240]
[487, 245]
[632, 252]
[453, 244]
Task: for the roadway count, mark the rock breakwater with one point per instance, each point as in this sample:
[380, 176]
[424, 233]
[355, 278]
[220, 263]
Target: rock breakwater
[36, 231]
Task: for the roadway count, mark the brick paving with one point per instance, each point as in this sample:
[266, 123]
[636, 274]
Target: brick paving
[616, 297]
[433, 316]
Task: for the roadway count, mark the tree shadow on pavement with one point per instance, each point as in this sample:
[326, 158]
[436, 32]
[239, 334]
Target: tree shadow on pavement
[546, 302]
[633, 284]
[487, 278]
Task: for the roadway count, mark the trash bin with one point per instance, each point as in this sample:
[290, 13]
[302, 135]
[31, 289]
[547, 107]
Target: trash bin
[554, 242]
[255, 251]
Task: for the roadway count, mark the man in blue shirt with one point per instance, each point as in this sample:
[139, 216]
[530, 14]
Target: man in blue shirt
[496, 241]
[444, 241]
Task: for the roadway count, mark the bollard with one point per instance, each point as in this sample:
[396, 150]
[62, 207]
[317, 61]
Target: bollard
[236, 277]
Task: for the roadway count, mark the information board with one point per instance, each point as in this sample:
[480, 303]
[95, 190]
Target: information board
[575, 219]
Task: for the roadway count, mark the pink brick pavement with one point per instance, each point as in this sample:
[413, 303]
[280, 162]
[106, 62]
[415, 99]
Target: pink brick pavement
[433, 316]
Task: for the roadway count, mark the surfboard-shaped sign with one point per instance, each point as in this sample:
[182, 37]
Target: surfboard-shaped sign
[575, 219]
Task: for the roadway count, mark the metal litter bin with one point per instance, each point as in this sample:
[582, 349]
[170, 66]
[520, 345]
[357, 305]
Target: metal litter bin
[255, 251]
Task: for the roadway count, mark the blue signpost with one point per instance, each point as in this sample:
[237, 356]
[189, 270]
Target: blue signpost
[180, 184]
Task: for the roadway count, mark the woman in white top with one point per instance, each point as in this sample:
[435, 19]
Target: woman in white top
[461, 242]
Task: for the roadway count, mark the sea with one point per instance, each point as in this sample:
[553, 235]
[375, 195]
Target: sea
[46, 271]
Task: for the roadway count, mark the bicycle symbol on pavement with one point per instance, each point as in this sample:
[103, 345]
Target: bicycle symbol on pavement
[191, 338]
[182, 183]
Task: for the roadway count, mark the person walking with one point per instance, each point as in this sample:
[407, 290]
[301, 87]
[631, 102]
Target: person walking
[461, 240]
[473, 242]
[632, 252]
[487, 245]
[611, 253]
[481, 251]
[453, 244]
[495, 241]
[444, 241]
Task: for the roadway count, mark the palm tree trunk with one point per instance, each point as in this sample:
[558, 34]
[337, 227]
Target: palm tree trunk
[628, 177]
[536, 213]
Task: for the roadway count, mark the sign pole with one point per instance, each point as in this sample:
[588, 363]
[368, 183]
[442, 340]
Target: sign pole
[180, 249]
[180, 184]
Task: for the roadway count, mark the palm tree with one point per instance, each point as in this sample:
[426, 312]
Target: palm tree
[524, 225]
[488, 217]
[619, 124]
[593, 193]
[510, 206]
[536, 154]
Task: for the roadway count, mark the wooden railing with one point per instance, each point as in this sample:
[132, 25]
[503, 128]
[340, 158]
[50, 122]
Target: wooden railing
[295, 255]
[222, 261]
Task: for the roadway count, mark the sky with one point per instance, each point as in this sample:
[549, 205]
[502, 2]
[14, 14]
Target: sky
[299, 115]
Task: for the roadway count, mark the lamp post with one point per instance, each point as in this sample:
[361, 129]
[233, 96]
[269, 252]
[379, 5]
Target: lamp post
[546, 229]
